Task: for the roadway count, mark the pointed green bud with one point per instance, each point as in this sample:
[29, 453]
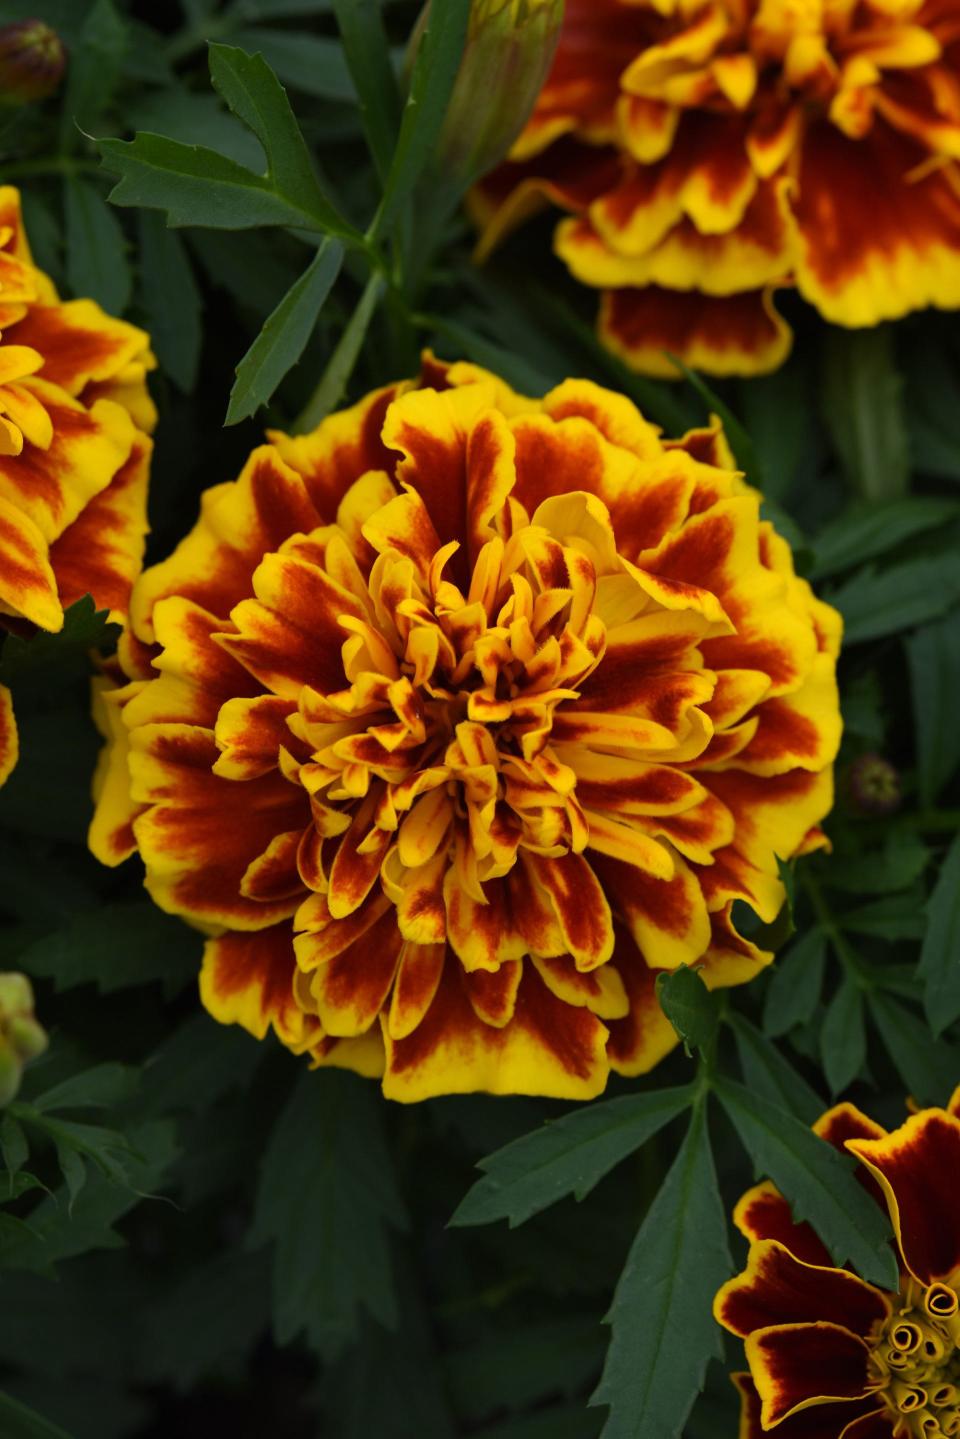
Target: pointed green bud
[21, 1037]
[509, 50]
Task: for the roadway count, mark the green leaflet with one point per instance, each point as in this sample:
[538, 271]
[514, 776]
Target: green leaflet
[569, 1156]
[97, 264]
[843, 1039]
[815, 1179]
[939, 966]
[663, 1333]
[933, 654]
[285, 333]
[328, 1205]
[19, 1422]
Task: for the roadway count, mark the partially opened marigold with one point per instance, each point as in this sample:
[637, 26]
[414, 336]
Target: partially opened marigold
[712, 150]
[74, 452]
[459, 718]
[831, 1356]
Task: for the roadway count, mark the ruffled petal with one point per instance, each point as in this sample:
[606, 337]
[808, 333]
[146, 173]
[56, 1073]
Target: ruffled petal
[801, 1366]
[247, 979]
[28, 586]
[777, 1288]
[763, 1214]
[740, 334]
[9, 743]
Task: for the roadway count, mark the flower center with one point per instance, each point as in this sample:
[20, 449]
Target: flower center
[915, 1365]
[451, 699]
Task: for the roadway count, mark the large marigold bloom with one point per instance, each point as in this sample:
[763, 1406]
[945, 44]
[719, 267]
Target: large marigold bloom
[831, 1356]
[467, 713]
[74, 452]
[712, 150]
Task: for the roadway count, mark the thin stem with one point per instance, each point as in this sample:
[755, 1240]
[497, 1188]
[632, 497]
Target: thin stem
[828, 922]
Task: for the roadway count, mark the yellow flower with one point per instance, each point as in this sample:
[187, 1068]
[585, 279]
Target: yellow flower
[830, 1355]
[74, 452]
[711, 151]
[457, 720]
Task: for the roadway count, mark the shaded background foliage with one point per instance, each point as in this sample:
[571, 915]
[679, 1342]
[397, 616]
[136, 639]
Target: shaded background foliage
[195, 1231]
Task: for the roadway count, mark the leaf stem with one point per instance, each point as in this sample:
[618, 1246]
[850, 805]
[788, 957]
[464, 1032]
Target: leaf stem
[828, 922]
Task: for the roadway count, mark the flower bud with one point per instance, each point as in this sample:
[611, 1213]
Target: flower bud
[509, 49]
[21, 1037]
[873, 786]
[32, 62]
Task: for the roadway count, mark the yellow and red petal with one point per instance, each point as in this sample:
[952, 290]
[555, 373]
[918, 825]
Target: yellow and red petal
[101, 552]
[667, 918]
[823, 1421]
[774, 813]
[247, 979]
[200, 833]
[249, 733]
[239, 523]
[548, 1048]
[580, 906]
[763, 1214]
[777, 1288]
[918, 1170]
[740, 334]
[644, 1035]
[343, 447]
[9, 743]
[110, 835]
[28, 586]
[418, 977]
[875, 237]
[52, 486]
[602, 990]
[80, 343]
[483, 936]
[576, 174]
[802, 1366]
[351, 989]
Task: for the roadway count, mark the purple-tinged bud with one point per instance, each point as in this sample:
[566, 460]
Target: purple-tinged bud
[873, 786]
[32, 62]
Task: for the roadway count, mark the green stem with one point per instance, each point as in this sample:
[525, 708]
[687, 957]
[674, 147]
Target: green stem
[934, 821]
[842, 947]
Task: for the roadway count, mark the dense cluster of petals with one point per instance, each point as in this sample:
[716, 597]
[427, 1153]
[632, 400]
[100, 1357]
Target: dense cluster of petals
[710, 151]
[74, 450]
[831, 1356]
[457, 719]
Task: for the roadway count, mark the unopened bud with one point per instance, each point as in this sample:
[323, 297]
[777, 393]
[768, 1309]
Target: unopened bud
[21, 1037]
[873, 786]
[32, 62]
[509, 50]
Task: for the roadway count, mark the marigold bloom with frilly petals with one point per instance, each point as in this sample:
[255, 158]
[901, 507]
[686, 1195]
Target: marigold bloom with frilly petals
[74, 452]
[831, 1356]
[457, 719]
[712, 150]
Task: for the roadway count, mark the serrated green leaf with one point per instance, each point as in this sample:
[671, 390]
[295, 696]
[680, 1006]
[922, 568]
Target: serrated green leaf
[367, 54]
[327, 1199]
[768, 1072]
[102, 1087]
[795, 984]
[256, 97]
[73, 1169]
[896, 916]
[933, 654]
[13, 1144]
[196, 186]
[939, 967]
[567, 1156]
[816, 1181]
[115, 946]
[431, 85]
[863, 407]
[97, 265]
[886, 602]
[689, 1005]
[108, 1149]
[663, 1332]
[310, 63]
[19, 1422]
[929, 1070]
[84, 628]
[843, 1038]
[212, 1312]
[171, 300]
[196, 119]
[868, 531]
[285, 333]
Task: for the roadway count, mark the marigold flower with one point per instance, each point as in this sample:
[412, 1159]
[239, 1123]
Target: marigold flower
[74, 452]
[829, 1354]
[468, 713]
[710, 151]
